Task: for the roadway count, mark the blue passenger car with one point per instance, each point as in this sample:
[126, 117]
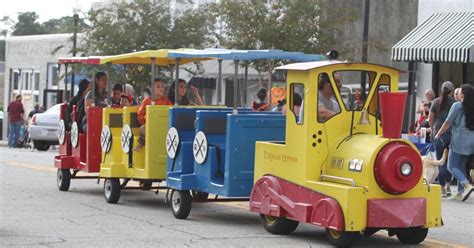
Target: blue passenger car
[219, 158]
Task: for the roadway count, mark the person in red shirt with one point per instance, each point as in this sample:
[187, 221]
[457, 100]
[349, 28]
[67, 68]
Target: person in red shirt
[160, 99]
[261, 103]
[15, 120]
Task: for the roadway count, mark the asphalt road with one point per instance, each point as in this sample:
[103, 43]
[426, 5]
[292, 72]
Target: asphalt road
[34, 213]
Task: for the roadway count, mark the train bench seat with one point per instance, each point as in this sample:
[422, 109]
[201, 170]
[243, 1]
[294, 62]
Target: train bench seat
[228, 168]
[180, 170]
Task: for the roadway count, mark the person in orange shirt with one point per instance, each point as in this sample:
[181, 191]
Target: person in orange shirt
[160, 99]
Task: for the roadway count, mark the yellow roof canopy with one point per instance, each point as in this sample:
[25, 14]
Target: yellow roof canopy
[145, 57]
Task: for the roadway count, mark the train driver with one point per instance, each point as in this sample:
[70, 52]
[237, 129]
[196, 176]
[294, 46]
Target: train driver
[327, 103]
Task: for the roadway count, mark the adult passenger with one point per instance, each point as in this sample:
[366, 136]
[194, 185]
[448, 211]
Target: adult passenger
[129, 91]
[84, 87]
[99, 98]
[461, 119]
[261, 104]
[327, 103]
[438, 113]
[183, 94]
[15, 120]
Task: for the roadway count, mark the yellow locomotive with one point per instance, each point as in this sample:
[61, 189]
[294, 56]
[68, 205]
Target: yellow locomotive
[341, 166]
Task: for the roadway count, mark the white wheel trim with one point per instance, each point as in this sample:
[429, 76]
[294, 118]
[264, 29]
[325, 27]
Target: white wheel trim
[200, 147]
[126, 138]
[59, 177]
[62, 132]
[172, 142]
[74, 134]
[105, 139]
[176, 200]
[107, 188]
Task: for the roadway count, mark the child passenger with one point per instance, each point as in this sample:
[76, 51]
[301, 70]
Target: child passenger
[160, 99]
[126, 100]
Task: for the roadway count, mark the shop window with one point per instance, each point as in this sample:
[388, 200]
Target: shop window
[37, 79]
[26, 80]
[16, 80]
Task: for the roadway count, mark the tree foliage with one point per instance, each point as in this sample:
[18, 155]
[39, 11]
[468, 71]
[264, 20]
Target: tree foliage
[27, 24]
[63, 25]
[138, 25]
[291, 25]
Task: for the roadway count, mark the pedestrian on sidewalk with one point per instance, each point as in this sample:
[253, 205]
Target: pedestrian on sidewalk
[15, 120]
[438, 113]
[461, 119]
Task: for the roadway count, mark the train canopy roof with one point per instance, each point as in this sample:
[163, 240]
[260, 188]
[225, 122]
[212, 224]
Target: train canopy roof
[145, 57]
[92, 60]
[244, 55]
[166, 57]
[313, 65]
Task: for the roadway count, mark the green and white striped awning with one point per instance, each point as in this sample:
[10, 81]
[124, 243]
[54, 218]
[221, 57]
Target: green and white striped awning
[443, 37]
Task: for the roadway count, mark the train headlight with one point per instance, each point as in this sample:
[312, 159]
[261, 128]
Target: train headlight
[406, 169]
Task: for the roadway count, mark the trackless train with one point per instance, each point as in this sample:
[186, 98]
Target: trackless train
[342, 167]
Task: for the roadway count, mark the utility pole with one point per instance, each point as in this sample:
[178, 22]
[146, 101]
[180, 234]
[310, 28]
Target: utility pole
[365, 40]
[74, 51]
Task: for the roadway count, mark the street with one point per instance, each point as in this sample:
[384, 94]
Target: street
[33, 212]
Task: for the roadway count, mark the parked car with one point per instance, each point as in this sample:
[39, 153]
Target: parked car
[44, 128]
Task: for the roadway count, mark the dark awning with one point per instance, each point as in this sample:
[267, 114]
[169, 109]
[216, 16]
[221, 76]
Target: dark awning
[443, 37]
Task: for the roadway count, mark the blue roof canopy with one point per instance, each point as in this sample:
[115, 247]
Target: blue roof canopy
[232, 54]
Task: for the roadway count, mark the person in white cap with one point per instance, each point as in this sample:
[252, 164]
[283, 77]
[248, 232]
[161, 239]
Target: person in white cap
[438, 113]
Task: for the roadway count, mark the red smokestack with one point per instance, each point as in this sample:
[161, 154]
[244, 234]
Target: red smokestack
[392, 107]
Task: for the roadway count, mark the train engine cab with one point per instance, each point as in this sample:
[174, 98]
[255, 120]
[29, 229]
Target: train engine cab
[343, 165]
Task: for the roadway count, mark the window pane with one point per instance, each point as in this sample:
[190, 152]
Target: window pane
[296, 99]
[54, 76]
[26, 81]
[328, 106]
[383, 86]
[37, 79]
[16, 77]
[354, 86]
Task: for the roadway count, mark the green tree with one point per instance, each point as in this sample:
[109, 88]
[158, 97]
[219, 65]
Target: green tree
[27, 24]
[63, 25]
[142, 25]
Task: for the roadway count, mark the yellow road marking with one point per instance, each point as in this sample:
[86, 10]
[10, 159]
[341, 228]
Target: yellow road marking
[37, 167]
[241, 205]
